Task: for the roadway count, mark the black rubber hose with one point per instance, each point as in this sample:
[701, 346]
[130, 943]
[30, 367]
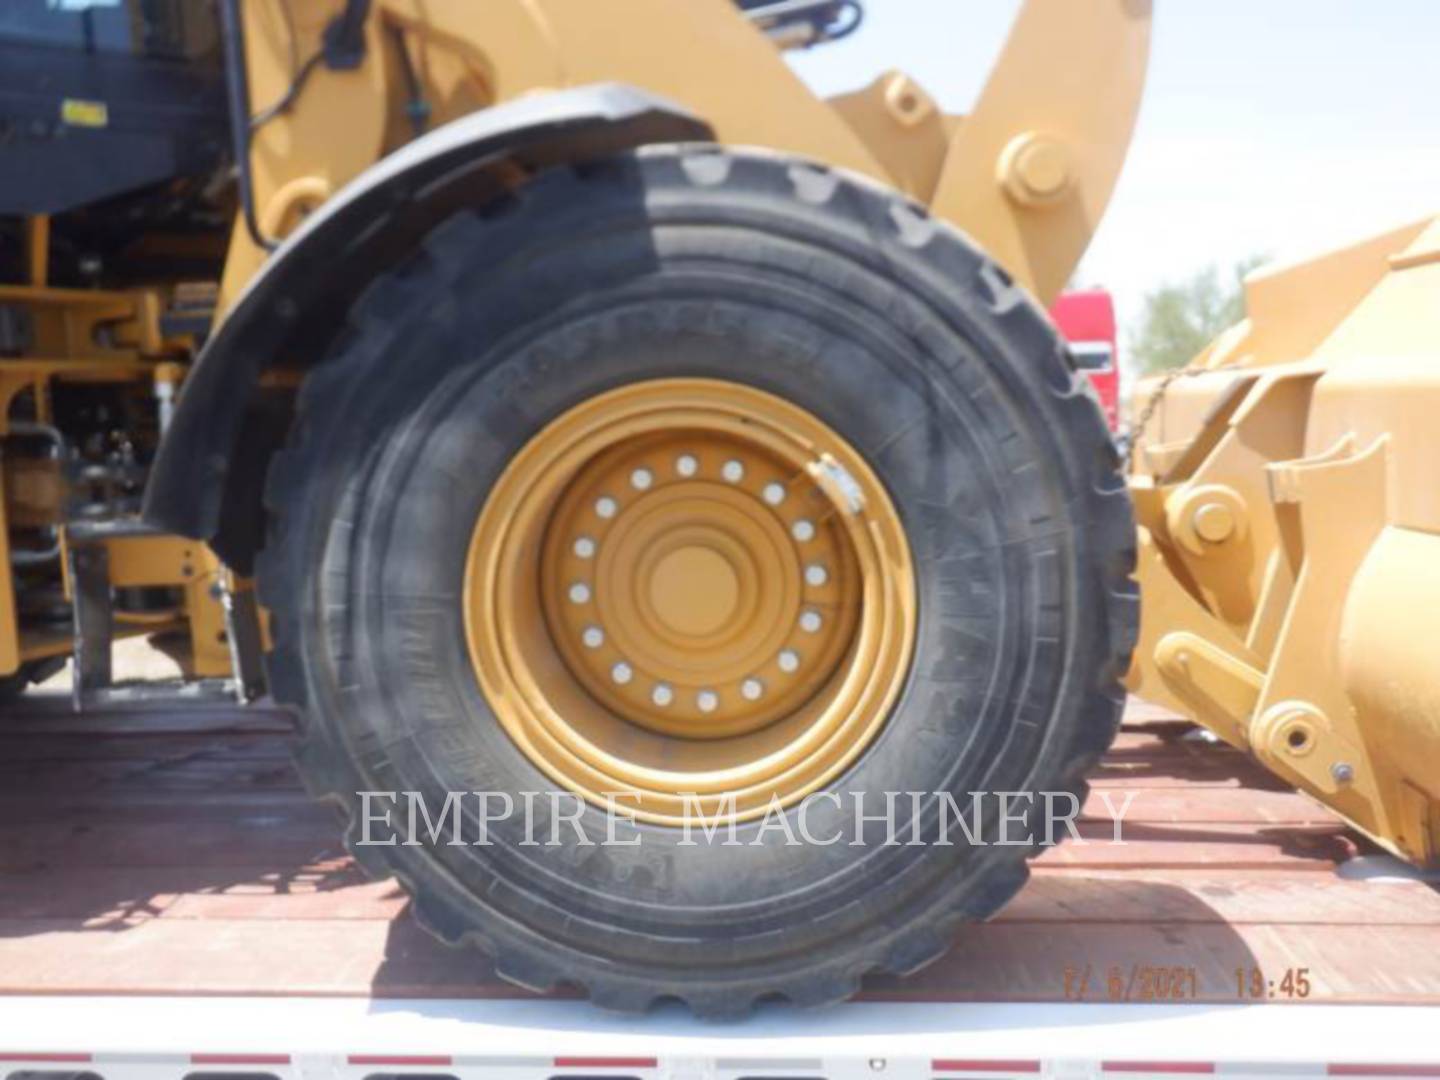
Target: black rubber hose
[237, 93]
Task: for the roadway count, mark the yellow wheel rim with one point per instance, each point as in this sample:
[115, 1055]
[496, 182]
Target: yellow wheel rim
[689, 597]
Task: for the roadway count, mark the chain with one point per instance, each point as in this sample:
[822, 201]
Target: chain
[1132, 437]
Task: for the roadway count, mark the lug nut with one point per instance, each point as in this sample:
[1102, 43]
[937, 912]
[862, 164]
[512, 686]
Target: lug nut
[593, 637]
[752, 689]
[622, 672]
[662, 695]
[816, 575]
[774, 493]
[579, 593]
[789, 660]
[584, 547]
[686, 465]
[641, 479]
[810, 621]
[707, 701]
[803, 531]
[606, 507]
[733, 471]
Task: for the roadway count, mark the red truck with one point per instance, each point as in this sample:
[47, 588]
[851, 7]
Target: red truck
[1086, 318]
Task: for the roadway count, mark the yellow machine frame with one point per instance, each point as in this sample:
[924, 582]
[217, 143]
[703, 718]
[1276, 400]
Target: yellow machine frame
[1027, 173]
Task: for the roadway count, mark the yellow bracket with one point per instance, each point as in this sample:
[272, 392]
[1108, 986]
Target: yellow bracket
[1219, 688]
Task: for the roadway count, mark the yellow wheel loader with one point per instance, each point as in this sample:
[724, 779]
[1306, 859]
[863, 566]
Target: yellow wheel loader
[1287, 490]
[564, 401]
[556, 398]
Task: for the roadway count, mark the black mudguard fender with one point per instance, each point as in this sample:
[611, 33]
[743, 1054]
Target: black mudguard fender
[207, 478]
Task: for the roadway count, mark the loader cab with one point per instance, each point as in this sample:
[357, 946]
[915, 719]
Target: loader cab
[107, 100]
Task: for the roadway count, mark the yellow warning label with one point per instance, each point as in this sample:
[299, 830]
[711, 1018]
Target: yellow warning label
[82, 113]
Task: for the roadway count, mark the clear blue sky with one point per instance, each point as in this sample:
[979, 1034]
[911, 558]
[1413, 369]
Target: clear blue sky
[1269, 126]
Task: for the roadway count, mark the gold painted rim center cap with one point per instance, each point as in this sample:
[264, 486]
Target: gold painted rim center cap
[694, 590]
[726, 601]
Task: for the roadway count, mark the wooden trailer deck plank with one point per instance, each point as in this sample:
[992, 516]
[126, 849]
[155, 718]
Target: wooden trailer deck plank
[175, 853]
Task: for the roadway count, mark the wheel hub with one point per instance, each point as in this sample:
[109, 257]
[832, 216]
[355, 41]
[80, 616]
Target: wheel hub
[692, 584]
[694, 590]
[718, 614]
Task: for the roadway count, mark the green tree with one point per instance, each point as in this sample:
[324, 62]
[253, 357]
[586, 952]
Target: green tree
[1181, 318]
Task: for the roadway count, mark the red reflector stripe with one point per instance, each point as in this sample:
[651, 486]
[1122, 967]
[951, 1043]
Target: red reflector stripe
[400, 1059]
[1158, 1066]
[965, 1065]
[239, 1059]
[1383, 1070]
[604, 1063]
[7, 1055]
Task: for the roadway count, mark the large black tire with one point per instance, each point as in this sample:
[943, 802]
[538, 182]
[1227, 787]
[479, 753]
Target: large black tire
[844, 298]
